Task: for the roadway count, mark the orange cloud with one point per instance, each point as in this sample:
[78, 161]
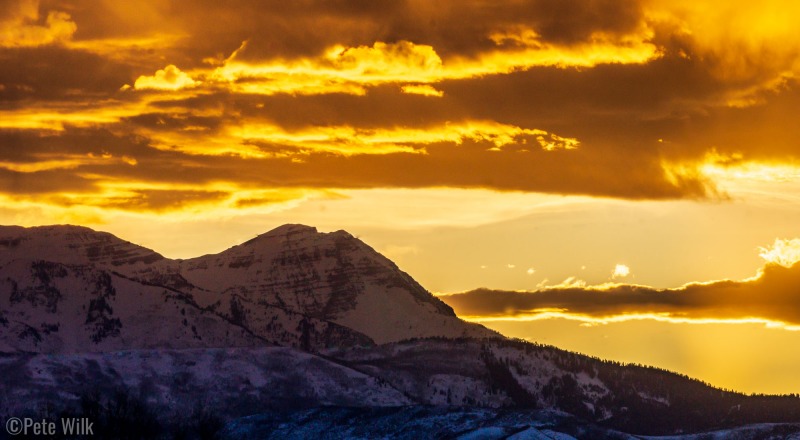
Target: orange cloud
[422, 89]
[752, 46]
[23, 27]
[257, 139]
[561, 97]
[43, 163]
[342, 69]
[771, 298]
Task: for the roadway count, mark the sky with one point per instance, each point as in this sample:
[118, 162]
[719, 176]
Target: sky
[613, 176]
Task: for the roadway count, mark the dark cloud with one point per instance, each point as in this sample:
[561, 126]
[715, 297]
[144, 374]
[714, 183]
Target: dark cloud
[280, 29]
[23, 185]
[774, 295]
[762, 132]
[58, 73]
[285, 29]
[618, 112]
[106, 156]
[163, 200]
[31, 146]
[167, 122]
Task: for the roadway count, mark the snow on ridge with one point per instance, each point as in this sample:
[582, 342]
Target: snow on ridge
[175, 380]
[71, 244]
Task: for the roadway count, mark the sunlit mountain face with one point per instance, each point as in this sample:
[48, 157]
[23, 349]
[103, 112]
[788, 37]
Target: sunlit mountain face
[615, 177]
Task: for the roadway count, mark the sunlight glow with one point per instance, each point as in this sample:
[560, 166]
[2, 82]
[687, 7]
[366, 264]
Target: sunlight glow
[542, 314]
[784, 252]
[621, 271]
[168, 78]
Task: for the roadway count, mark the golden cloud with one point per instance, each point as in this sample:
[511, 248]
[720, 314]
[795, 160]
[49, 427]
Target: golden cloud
[64, 162]
[168, 78]
[771, 298]
[258, 139]
[350, 70]
[751, 46]
[22, 28]
[422, 89]
[532, 96]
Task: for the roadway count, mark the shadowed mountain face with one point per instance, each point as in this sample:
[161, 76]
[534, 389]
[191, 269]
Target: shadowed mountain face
[71, 289]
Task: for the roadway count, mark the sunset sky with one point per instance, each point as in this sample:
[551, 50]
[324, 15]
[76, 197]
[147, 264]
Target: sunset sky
[634, 163]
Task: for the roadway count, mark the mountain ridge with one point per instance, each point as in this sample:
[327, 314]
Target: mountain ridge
[291, 286]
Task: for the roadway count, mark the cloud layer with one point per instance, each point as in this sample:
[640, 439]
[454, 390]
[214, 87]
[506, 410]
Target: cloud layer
[167, 105]
[772, 297]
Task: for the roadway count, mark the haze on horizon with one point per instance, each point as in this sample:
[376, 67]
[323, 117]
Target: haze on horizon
[528, 146]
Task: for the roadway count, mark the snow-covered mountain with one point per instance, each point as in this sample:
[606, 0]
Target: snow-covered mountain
[231, 381]
[332, 277]
[492, 388]
[296, 319]
[72, 289]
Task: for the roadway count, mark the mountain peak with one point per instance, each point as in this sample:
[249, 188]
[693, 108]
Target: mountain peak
[289, 231]
[328, 276]
[69, 231]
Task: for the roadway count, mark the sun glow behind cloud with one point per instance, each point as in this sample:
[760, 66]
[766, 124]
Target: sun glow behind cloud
[588, 320]
[784, 252]
[751, 358]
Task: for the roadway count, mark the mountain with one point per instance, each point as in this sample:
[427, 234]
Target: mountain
[331, 277]
[72, 289]
[296, 333]
[489, 388]
[232, 381]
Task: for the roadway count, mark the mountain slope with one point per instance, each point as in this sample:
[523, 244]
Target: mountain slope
[57, 308]
[504, 373]
[228, 381]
